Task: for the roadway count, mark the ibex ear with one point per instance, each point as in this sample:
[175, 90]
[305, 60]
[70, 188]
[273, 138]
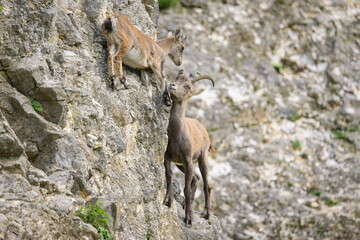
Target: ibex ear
[198, 91]
[177, 34]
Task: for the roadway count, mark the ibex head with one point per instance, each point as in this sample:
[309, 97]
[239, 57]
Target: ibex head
[178, 47]
[182, 88]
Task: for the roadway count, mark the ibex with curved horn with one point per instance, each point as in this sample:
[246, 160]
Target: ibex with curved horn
[127, 44]
[188, 142]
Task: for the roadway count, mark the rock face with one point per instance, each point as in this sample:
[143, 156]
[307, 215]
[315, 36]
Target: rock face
[284, 114]
[66, 138]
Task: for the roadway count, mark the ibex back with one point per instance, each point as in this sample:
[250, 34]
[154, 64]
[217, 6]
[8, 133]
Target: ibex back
[127, 44]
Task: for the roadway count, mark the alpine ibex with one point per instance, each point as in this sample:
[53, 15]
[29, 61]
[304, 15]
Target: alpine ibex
[188, 142]
[127, 44]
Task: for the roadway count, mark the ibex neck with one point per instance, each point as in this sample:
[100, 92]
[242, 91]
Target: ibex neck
[177, 118]
[166, 44]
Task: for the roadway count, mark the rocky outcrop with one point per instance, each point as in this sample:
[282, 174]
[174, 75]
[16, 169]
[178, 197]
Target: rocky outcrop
[284, 115]
[66, 138]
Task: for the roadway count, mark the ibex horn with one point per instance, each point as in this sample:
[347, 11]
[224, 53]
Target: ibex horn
[202, 76]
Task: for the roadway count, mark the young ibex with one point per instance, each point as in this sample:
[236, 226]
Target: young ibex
[188, 142]
[127, 44]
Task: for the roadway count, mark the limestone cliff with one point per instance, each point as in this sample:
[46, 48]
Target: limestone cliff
[88, 142]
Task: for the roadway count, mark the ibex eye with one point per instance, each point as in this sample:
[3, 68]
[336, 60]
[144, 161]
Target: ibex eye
[187, 86]
[182, 49]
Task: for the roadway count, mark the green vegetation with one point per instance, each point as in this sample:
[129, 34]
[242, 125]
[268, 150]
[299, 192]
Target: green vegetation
[239, 60]
[228, 202]
[338, 134]
[256, 87]
[333, 90]
[35, 105]
[321, 7]
[97, 217]
[148, 234]
[308, 204]
[290, 184]
[296, 145]
[210, 130]
[353, 128]
[230, 101]
[287, 64]
[320, 230]
[330, 203]
[316, 193]
[294, 117]
[247, 125]
[278, 67]
[167, 3]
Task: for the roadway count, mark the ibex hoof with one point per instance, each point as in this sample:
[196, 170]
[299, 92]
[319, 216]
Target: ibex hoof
[188, 220]
[167, 200]
[112, 82]
[167, 99]
[205, 214]
[166, 96]
[183, 204]
[167, 203]
[123, 81]
[168, 102]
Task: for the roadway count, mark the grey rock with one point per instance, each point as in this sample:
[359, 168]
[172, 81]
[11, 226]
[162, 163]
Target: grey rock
[86, 231]
[92, 8]
[10, 145]
[16, 166]
[28, 73]
[30, 127]
[37, 177]
[52, 100]
[3, 225]
[201, 228]
[63, 153]
[67, 29]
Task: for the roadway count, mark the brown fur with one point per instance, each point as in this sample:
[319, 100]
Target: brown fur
[127, 44]
[188, 142]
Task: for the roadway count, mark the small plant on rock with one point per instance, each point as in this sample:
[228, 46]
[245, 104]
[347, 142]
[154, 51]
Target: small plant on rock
[330, 202]
[294, 117]
[97, 217]
[296, 145]
[35, 105]
[316, 193]
[338, 134]
[278, 67]
[148, 234]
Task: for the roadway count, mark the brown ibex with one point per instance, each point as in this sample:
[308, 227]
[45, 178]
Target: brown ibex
[188, 142]
[127, 44]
